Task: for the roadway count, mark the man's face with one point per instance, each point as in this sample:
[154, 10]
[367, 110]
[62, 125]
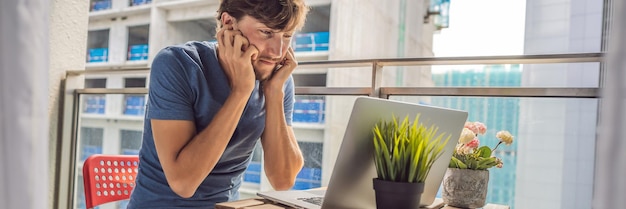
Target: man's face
[271, 43]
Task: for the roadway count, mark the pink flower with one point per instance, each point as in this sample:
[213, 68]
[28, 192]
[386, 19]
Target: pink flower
[471, 127]
[480, 127]
[476, 127]
[473, 144]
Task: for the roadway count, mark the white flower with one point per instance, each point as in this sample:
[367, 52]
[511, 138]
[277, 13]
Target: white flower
[467, 136]
[505, 137]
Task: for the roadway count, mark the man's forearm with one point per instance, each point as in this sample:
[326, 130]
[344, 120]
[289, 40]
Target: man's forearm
[282, 155]
[197, 158]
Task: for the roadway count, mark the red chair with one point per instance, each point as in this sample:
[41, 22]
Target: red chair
[109, 178]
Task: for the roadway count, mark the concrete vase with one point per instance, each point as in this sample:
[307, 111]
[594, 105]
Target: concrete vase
[465, 188]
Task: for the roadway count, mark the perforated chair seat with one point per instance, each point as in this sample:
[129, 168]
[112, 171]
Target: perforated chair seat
[109, 178]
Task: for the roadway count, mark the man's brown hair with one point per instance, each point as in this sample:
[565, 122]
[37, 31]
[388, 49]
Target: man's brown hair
[285, 15]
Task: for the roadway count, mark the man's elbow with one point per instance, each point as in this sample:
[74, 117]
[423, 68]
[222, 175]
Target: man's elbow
[283, 184]
[182, 189]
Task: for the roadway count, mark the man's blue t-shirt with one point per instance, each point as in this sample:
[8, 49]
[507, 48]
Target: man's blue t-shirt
[188, 83]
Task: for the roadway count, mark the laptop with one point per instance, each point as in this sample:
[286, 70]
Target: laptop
[350, 184]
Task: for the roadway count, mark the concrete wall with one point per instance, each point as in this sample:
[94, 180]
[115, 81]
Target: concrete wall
[68, 38]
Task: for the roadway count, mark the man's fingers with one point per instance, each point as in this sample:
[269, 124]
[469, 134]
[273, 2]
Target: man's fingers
[241, 44]
[220, 37]
[252, 52]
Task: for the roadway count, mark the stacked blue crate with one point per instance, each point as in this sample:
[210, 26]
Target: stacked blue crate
[308, 178]
[309, 111]
[253, 173]
[98, 5]
[139, 2]
[135, 105]
[98, 55]
[309, 42]
[95, 104]
[138, 52]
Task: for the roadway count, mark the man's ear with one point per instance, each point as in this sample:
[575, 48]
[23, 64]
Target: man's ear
[227, 20]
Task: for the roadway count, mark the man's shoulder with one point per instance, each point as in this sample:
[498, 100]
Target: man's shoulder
[191, 48]
[199, 53]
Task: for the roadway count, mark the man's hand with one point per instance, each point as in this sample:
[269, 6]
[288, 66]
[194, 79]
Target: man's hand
[235, 54]
[279, 77]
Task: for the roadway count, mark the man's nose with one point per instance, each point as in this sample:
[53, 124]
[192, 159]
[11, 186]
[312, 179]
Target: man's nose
[275, 47]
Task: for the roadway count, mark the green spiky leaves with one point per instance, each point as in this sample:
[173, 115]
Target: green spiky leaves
[405, 152]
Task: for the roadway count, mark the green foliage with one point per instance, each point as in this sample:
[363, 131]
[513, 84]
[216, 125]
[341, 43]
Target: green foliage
[479, 159]
[405, 152]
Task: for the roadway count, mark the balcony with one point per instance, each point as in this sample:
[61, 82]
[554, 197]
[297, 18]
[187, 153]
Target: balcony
[498, 103]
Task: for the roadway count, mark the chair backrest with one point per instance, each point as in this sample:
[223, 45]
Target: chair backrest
[109, 178]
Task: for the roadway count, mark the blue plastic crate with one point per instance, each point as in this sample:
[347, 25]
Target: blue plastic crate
[309, 111]
[317, 41]
[139, 2]
[135, 105]
[101, 5]
[308, 178]
[95, 104]
[308, 116]
[253, 173]
[138, 52]
[98, 55]
[301, 185]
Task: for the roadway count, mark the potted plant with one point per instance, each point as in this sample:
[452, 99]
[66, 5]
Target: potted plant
[403, 155]
[465, 182]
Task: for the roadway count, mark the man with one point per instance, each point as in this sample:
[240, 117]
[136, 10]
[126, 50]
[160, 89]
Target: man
[210, 103]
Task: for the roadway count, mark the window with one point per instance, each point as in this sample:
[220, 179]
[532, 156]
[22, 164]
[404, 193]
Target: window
[130, 142]
[98, 46]
[311, 174]
[134, 104]
[91, 142]
[138, 37]
[94, 103]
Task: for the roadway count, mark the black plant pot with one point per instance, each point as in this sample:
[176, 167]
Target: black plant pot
[391, 194]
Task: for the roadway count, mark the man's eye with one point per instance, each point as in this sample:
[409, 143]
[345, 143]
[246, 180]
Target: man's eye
[266, 32]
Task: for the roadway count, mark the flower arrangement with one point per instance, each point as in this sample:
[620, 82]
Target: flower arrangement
[468, 154]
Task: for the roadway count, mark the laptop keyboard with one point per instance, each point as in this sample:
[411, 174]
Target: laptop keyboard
[313, 200]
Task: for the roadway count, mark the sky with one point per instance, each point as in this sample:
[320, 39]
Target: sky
[482, 28]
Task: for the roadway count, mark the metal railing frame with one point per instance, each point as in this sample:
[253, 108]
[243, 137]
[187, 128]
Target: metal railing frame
[376, 89]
